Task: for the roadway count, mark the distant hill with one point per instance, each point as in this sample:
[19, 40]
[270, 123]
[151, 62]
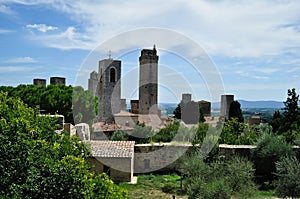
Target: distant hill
[255, 104]
[261, 104]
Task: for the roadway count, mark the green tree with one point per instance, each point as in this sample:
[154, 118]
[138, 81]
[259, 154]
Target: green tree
[288, 173]
[235, 111]
[141, 134]
[220, 179]
[276, 121]
[290, 122]
[269, 149]
[167, 134]
[232, 132]
[35, 162]
[84, 106]
[177, 112]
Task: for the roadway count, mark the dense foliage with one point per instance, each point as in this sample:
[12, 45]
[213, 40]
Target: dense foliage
[287, 124]
[57, 99]
[235, 111]
[269, 149]
[35, 162]
[220, 179]
[288, 173]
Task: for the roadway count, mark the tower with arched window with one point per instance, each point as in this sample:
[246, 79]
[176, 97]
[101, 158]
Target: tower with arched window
[109, 89]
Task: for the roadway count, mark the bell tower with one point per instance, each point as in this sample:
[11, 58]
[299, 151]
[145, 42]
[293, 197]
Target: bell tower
[109, 89]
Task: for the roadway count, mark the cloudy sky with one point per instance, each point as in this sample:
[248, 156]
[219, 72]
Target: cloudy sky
[253, 45]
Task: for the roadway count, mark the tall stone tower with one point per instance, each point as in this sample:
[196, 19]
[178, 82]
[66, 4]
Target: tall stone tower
[148, 83]
[109, 89]
[93, 82]
[226, 101]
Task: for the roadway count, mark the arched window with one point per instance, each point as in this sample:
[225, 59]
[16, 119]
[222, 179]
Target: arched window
[112, 75]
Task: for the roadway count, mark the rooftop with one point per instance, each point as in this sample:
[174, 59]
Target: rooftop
[116, 149]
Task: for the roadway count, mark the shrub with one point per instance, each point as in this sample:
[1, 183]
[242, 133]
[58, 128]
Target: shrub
[288, 172]
[119, 136]
[219, 179]
[269, 149]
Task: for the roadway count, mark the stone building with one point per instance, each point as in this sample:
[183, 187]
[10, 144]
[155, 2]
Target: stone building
[186, 97]
[116, 158]
[109, 89]
[134, 106]
[93, 82]
[206, 107]
[226, 101]
[189, 109]
[39, 82]
[254, 120]
[148, 82]
[57, 81]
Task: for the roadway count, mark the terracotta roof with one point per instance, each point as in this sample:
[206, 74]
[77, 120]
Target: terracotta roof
[117, 149]
[102, 127]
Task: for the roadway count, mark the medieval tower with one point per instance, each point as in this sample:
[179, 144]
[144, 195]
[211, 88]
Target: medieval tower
[148, 82]
[226, 101]
[109, 89]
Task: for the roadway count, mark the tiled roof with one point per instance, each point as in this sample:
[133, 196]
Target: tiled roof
[103, 127]
[117, 149]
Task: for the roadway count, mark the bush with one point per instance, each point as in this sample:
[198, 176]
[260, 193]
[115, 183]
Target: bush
[119, 136]
[269, 149]
[218, 179]
[288, 172]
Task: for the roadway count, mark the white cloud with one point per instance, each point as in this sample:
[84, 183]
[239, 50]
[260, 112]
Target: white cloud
[22, 60]
[69, 39]
[41, 27]
[11, 69]
[4, 31]
[5, 9]
[229, 27]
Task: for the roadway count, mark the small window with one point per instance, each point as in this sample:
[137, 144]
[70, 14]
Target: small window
[112, 75]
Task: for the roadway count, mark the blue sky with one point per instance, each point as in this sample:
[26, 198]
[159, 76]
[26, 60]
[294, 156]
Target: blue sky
[254, 45]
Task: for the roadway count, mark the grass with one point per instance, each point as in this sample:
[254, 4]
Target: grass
[155, 186]
[165, 186]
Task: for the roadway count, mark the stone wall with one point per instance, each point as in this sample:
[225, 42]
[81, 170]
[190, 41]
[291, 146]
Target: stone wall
[157, 157]
[162, 157]
[119, 169]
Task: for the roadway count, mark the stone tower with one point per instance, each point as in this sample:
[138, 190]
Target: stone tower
[39, 82]
[57, 81]
[226, 101]
[148, 83]
[93, 82]
[109, 89]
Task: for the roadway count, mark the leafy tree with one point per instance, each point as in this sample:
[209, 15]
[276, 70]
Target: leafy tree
[269, 149]
[220, 179]
[276, 121]
[291, 109]
[85, 105]
[288, 125]
[177, 112]
[119, 136]
[235, 111]
[167, 134]
[141, 134]
[288, 173]
[232, 131]
[35, 162]
[57, 99]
